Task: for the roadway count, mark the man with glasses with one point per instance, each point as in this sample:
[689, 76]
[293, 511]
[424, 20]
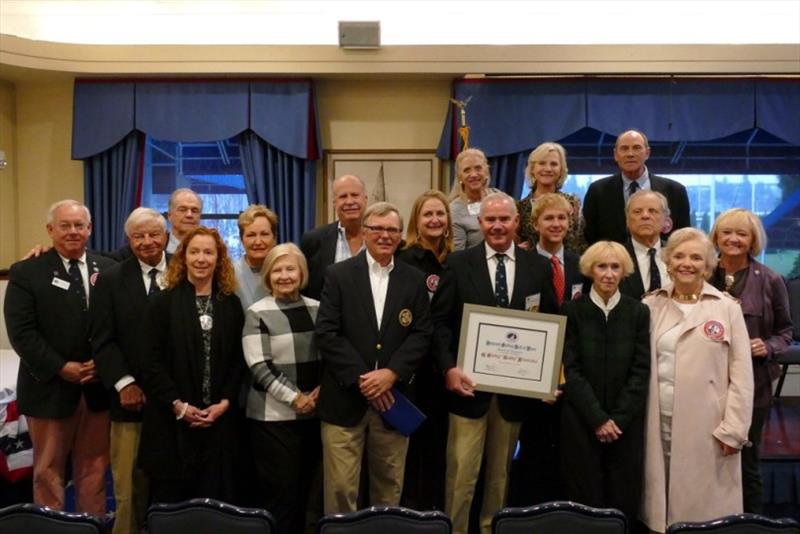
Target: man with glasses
[47, 315]
[373, 329]
[604, 203]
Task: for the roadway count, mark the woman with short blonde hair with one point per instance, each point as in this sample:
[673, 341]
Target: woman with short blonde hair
[739, 237]
[546, 173]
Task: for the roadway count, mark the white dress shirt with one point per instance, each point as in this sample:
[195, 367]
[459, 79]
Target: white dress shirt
[643, 181]
[602, 304]
[379, 283]
[84, 269]
[343, 251]
[161, 268]
[510, 263]
[643, 259]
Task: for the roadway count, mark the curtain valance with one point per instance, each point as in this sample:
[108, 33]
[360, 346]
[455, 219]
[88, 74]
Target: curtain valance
[511, 115]
[282, 112]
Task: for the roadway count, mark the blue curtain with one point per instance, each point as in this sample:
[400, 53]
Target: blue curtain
[512, 115]
[282, 182]
[508, 172]
[111, 182]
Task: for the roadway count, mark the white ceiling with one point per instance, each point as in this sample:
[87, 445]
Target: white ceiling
[312, 22]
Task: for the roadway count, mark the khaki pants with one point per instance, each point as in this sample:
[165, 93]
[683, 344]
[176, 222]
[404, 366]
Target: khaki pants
[85, 434]
[342, 451]
[130, 482]
[467, 440]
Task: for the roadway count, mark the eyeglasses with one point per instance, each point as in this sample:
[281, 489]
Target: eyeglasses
[391, 230]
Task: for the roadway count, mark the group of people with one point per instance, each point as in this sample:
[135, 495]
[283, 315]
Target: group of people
[278, 367]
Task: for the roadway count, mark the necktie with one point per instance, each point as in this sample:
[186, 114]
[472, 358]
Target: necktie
[153, 284]
[632, 188]
[655, 276]
[558, 279]
[77, 281]
[500, 282]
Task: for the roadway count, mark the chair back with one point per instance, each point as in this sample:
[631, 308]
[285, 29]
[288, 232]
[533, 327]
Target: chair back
[739, 524]
[35, 519]
[793, 287]
[208, 516]
[385, 520]
[558, 517]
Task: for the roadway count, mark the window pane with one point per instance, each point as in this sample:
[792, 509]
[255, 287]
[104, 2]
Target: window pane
[770, 196]
[212, 170]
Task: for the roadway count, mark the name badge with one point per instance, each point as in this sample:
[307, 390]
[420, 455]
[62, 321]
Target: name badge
[474, 208]
[59, 283]
[532, 302]
[577, 290]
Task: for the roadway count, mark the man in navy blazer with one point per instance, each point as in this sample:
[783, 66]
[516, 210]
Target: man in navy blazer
[493, 273]
[604, 203]
[373, 329]
[645, 214]
[117, 314]
[338, 240]
[47, 315]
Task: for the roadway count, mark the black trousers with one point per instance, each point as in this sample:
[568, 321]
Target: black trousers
[752, 486]
[287, 457]
[603, 475]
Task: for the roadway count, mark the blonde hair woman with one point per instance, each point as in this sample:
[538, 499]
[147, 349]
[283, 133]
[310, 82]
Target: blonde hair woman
[700, 393]
[739, 237]
[472, 172]
[546, 173]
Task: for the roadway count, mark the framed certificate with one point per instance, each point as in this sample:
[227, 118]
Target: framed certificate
[512, 351]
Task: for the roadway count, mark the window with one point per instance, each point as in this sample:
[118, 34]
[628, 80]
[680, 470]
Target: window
[711, 194]
[213, 170]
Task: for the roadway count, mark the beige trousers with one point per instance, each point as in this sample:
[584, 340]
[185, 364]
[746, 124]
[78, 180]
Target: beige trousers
[130, 482]
[467, 441]
[342, 451]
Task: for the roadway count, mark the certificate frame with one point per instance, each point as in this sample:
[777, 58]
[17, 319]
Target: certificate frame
[513, 352]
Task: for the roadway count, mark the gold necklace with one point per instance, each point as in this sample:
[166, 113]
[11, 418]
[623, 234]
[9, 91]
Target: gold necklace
[691, 297]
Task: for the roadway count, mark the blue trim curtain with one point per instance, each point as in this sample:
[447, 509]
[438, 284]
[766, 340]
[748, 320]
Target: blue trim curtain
[510, 117]
[281, 181]
[279, 114]
[111, 182]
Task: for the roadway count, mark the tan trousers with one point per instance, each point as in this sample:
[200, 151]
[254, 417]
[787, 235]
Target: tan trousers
[342, 451]
[467, 440]
[130, 482]
[85, 434]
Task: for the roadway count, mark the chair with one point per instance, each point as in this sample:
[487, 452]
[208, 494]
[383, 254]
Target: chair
[739, 524]
[385, 520]
[792, 354]
[35, 519]
[559, 517]
[208, 516]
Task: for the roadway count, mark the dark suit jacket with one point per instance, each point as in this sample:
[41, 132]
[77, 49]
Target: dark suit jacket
[47, 328]
[119, 306]
[607, 362]
[319, 247]
[604, 207]
[466, 280]
[172, 369]
[633, 284]
[351, 343]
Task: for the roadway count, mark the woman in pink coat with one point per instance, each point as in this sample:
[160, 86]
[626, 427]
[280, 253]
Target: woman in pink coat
[701, 391]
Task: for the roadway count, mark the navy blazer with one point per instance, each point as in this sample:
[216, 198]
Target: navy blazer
[319, 248]
[604, 207]
[466, 280]
[47, 328]
[350, 341]
[118, 314]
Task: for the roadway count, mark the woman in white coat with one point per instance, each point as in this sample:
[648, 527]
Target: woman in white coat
[701, 391]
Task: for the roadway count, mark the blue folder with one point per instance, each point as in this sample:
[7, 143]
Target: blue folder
[403, 416]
